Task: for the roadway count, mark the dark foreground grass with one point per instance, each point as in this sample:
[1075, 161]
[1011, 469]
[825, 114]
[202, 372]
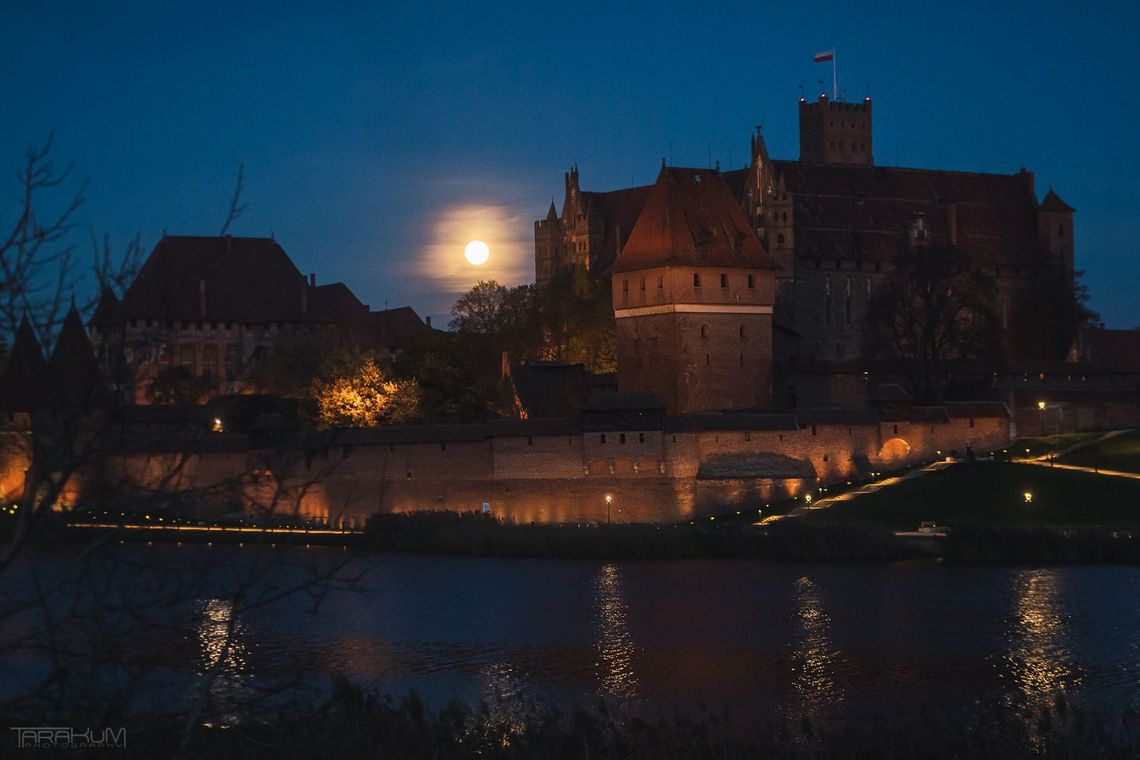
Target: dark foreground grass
[1121, 453]
[354, 723]
[993, 494]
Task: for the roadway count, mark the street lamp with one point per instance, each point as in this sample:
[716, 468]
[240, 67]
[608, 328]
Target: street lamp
[609, 501]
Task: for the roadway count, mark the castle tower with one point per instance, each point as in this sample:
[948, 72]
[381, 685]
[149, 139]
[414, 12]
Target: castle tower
[548, 243]
[834, 132]
[693, 291]
[1055, 230]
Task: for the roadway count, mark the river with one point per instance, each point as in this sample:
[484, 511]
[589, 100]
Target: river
[835, 641]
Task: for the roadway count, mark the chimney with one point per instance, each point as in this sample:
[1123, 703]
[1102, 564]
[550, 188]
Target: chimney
[429, 321]
[312, 279]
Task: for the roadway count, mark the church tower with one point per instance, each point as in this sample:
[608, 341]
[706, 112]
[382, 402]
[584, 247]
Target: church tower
[693, 291]
[834, 132]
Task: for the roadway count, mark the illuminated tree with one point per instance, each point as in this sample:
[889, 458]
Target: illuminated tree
[366, 398]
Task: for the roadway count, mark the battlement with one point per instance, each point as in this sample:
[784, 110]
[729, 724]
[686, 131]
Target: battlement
[826, 104]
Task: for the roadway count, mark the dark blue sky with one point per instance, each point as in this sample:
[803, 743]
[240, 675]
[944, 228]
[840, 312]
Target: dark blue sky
[378, 138]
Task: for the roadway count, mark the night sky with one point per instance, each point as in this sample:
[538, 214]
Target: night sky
[378, 139]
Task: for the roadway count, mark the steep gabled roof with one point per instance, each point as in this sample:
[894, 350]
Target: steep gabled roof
[73, 371]
[619, 209]
[217, 279]
[691, 218]
[394, 327]
[24, 386]
[106, 310]
[1052, 202]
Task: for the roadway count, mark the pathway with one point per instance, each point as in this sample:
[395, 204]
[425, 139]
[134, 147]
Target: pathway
[867, 488]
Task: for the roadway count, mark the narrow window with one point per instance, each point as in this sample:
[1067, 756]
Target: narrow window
[660, 282]
[751, 281]
[642, 284]
[1060, 230]
[813, 429]
[707, 360]
[625, 286]
[696, 279]
[704, 331]
[971, 422]
[742, 331]
[641, 437]
[530, 440]
[724, 280]
[621, 438]
[896, 429]
[603, 437]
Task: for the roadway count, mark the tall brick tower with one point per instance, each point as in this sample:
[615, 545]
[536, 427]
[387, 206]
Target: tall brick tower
[693, 290]
[835, 132]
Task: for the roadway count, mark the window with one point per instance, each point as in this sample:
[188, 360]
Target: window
[642, 284]
[706, 360]
[603, 438]
[641, 437]
[1060, 230]
[751, 281]
[696, 279]
[625, 287]
[530, 440]
[660, 282]
[723, 280]
[621, 438]
[813, 429]
[895, 428]
[704, 331]
[742, 331]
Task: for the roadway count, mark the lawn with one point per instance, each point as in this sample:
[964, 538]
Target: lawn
[994, 494]
[1121, 452]
[1035, 447]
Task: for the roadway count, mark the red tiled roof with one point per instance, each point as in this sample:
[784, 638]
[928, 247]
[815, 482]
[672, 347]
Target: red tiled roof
[1053, 202]
[865, 212]
[217, 279]
[394, 327]
[619, 209]
[691, 218]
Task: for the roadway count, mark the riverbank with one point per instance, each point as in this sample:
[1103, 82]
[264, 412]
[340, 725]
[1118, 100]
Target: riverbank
[355, 722]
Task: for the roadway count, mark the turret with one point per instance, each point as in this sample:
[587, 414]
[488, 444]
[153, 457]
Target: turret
[1055, 230]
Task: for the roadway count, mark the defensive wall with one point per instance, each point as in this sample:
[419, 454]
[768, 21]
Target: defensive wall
[662, 469]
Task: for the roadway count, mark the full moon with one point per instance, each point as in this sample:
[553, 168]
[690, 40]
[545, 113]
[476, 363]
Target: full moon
[477, 252]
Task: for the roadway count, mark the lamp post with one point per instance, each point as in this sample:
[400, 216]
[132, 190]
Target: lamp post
[1041, 409]
[609, 501]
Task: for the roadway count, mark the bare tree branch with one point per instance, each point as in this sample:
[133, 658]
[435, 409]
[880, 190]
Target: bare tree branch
[237, 208]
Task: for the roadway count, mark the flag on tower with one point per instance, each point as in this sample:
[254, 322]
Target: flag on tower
[826, 55]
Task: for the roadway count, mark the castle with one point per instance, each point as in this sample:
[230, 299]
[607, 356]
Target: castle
[826, 230]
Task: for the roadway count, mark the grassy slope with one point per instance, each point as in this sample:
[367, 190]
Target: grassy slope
[993, 494]
[1121, 452]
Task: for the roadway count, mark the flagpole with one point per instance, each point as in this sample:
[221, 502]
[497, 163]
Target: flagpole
[834, 77]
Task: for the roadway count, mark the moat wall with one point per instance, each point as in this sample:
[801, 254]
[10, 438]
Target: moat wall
[536, 471]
